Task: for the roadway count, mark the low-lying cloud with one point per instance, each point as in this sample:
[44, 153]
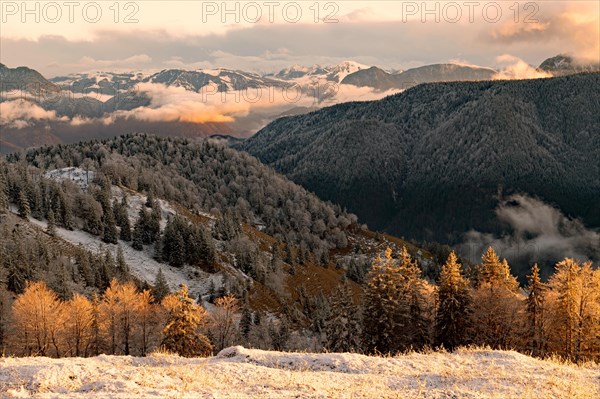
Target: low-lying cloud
[18, 114]
[540, 233]
[515, 68]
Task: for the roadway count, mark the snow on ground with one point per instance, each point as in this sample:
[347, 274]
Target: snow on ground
[248, 373]
[79, 176]
[141, 263]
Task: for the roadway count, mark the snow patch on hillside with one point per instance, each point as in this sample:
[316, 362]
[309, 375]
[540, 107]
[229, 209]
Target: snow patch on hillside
[79, 176]
[238, 372]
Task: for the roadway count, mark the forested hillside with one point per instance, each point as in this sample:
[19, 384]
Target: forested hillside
[101, 240]
[163, 212]
[430, 163]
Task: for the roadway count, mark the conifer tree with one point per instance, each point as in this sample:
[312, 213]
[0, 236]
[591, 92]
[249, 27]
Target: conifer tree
[578, 312]
[343, 329]
[110, 228]
[153, 223]
[492, 270]
[454, 301]
[158, 253]
[536, 303]
[17, 278]
[51, 226]
[65, 210]
[246, 322]
[137, 242]
[178, 255]
[122, 218]
[150, 199]
[160, 288]
[180, 334]
[497, 305]
[85, 269]
[3, 194]
[24, 208]
[122, 267]
[380, 306]
[411, 314]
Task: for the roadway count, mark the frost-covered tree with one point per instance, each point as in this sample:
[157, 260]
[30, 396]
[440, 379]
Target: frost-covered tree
[78, 332]
[498, 307]
[110, 233]
[184, 317]
[51, 226]
[222, 325]
[380, 306]
[577, 314]
[24, 206]
[38, 317]
[453, 316]
[536, 307]
[137, 238]
[160, 288]
[343, 327]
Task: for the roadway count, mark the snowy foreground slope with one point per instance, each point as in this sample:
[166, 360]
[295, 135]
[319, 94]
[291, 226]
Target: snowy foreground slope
[247, 373]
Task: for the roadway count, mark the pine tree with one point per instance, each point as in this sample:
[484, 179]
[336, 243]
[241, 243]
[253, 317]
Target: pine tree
[137, 242]
[380, 306]
[150, 199]
[180, 334]
[24, 208]
[536, 303]
[110, 228]
[153, 223]
[578, 312]
[160, 288]
[454, 301]
[497, 305]
[342, 328]
[122, 267]
[141, 228]
[85, 269]
[16, 278]
[122, 218]
[246, 322]
[3, 194]
[65, 210]
[158, 249]
[412, 315]
[178, 255]
[51, 227]
[496, 272]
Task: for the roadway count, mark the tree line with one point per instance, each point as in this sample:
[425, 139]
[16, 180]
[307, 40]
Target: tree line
[398, 310]
[401, 310]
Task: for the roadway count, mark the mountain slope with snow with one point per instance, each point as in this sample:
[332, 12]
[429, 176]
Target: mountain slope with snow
[247, 373]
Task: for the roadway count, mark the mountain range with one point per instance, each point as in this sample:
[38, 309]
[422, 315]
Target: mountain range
[65, 109]
[434, 161]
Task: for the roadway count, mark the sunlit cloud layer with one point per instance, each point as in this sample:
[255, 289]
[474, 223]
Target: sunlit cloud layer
[396, 35]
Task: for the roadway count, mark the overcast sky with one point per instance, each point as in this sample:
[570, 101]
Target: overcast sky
[58, 39]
